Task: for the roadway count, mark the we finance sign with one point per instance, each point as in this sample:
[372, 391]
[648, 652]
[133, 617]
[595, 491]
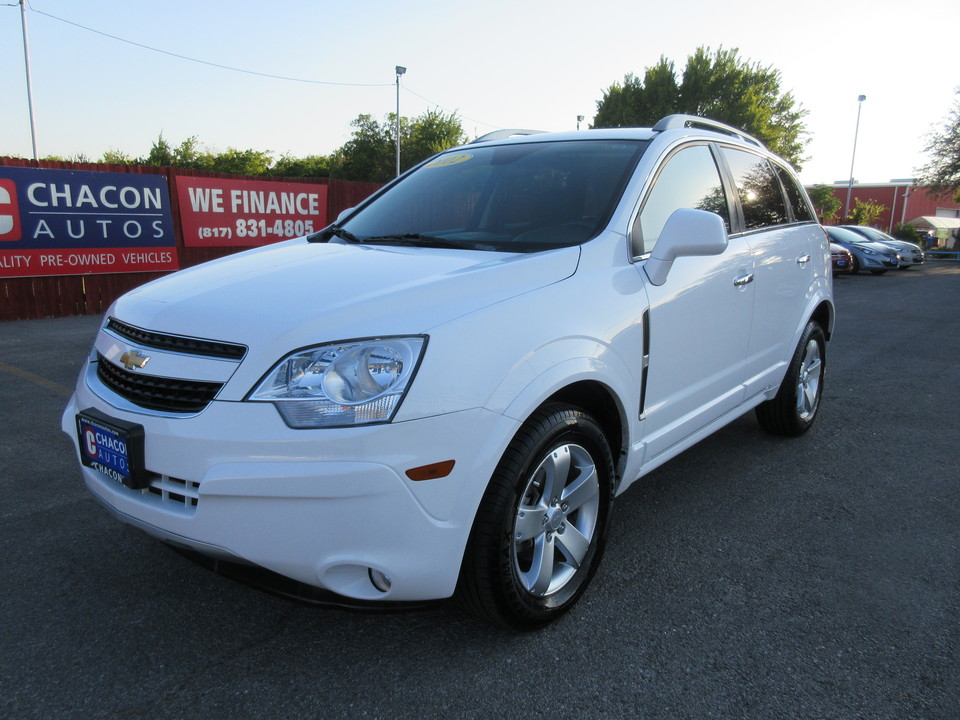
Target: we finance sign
[67, 222]
[228, 212]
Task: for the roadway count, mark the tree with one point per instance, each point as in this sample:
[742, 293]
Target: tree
[942, 174]
[865, 212]
[370, 155]
[825, 201]
[310, 166]
[720, 86]
[113, 156]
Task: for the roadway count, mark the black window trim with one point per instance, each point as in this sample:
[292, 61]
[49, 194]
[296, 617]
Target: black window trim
[661, 163]
[731, 184]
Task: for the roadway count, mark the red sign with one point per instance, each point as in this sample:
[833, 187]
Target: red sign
[60, 261]
[225, 212]
[9, 211]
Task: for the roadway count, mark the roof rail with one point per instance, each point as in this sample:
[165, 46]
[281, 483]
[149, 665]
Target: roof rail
[504, 134]
[672, 122]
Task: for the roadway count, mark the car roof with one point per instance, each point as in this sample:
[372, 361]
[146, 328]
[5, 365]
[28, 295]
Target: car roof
[676, 125]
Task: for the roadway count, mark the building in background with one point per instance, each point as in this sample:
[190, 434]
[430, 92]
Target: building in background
[903, 202]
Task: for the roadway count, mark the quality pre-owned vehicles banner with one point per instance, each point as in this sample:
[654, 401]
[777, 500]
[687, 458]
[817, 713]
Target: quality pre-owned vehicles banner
[72, 222]
[227, 212]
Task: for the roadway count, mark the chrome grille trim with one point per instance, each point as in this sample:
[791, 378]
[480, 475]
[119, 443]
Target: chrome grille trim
[176, 343]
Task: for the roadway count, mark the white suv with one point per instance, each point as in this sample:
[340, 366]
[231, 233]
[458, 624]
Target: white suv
[442, 393]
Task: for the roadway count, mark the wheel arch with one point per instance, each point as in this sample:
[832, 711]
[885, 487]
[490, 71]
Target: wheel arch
[599, 401]
[824, 315]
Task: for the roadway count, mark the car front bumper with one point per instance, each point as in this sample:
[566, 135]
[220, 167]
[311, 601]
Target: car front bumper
[323, 507]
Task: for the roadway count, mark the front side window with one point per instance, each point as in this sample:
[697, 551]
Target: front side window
[689, 179]
[521, 197]
[758, 189]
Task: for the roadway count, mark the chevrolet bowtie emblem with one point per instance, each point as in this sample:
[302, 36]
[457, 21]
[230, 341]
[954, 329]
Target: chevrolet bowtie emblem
[133, 359]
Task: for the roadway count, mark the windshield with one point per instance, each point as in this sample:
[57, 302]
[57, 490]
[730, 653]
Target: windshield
[842, 235]
[521, 197]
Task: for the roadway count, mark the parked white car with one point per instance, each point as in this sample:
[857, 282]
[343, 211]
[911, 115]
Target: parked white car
[442, 393]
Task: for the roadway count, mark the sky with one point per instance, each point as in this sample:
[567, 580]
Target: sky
[497, 64]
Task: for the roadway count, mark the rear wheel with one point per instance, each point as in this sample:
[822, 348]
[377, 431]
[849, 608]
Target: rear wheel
[542, 525]
[795, 406]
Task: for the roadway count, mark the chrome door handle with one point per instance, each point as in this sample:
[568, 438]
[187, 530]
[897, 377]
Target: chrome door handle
[743, 280]
[803, 259]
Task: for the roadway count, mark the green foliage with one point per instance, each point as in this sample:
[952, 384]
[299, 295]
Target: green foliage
[865, 212]
[311, 166]
[942, 174]
[825, 201]
[906, 231]
[717, 85]
[116, 157]
[370, 155]
[189, 155]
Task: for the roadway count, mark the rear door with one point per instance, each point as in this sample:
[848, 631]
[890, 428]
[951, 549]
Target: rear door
[776, 220]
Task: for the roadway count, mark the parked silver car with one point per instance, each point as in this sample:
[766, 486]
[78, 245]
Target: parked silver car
[867, 255]
[910, 253]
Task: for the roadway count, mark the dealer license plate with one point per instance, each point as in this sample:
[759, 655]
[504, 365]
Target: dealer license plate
[112, 447]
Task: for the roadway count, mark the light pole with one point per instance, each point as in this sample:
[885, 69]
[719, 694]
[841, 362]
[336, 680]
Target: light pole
[579, 120]
[846, 208]
[400, 71]
[26, 62]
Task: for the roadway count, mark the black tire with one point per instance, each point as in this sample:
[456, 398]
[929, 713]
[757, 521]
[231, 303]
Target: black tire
[499, 581]
[793, 410]
[854, 264]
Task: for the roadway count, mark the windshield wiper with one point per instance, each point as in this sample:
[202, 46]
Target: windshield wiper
[334, 231]
[418, 240]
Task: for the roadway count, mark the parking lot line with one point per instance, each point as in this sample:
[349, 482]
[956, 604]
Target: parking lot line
[35, 379]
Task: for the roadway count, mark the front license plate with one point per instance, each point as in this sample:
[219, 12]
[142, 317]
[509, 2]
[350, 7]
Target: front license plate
[112, 447]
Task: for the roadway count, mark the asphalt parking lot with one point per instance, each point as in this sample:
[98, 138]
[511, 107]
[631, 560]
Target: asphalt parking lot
[751, 577]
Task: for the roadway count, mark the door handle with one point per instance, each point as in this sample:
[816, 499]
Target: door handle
[803, 259]
[743, 280]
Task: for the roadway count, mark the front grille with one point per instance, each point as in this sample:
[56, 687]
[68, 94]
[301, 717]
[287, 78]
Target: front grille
[157, 393]
[176, 343]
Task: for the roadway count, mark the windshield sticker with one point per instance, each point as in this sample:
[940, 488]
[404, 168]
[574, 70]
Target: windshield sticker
[445, 160]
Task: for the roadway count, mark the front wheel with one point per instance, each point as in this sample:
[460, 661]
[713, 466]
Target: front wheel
[541, 528]
[795, 406]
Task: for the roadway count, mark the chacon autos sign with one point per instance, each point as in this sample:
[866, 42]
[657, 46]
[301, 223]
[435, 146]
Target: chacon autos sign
[67, 222]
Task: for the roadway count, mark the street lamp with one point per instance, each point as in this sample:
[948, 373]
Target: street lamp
[400, 71]
[26, 63]
[846, 208]
[579, 120]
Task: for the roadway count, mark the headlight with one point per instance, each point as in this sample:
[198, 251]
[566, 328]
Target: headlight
[868, 251]
[351, 383]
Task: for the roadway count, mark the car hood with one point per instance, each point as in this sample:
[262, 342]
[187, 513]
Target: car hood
[296, 293]
[879, 247]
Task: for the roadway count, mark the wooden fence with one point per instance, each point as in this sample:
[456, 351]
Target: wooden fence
[66, 295]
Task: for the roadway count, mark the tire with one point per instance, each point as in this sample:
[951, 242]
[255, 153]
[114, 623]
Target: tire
[542, 525]
[877, 272]
[793, 410]
[854, 264]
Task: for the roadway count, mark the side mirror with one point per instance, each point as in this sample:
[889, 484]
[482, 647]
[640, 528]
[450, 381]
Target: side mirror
[344, 213]
[687, 232]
